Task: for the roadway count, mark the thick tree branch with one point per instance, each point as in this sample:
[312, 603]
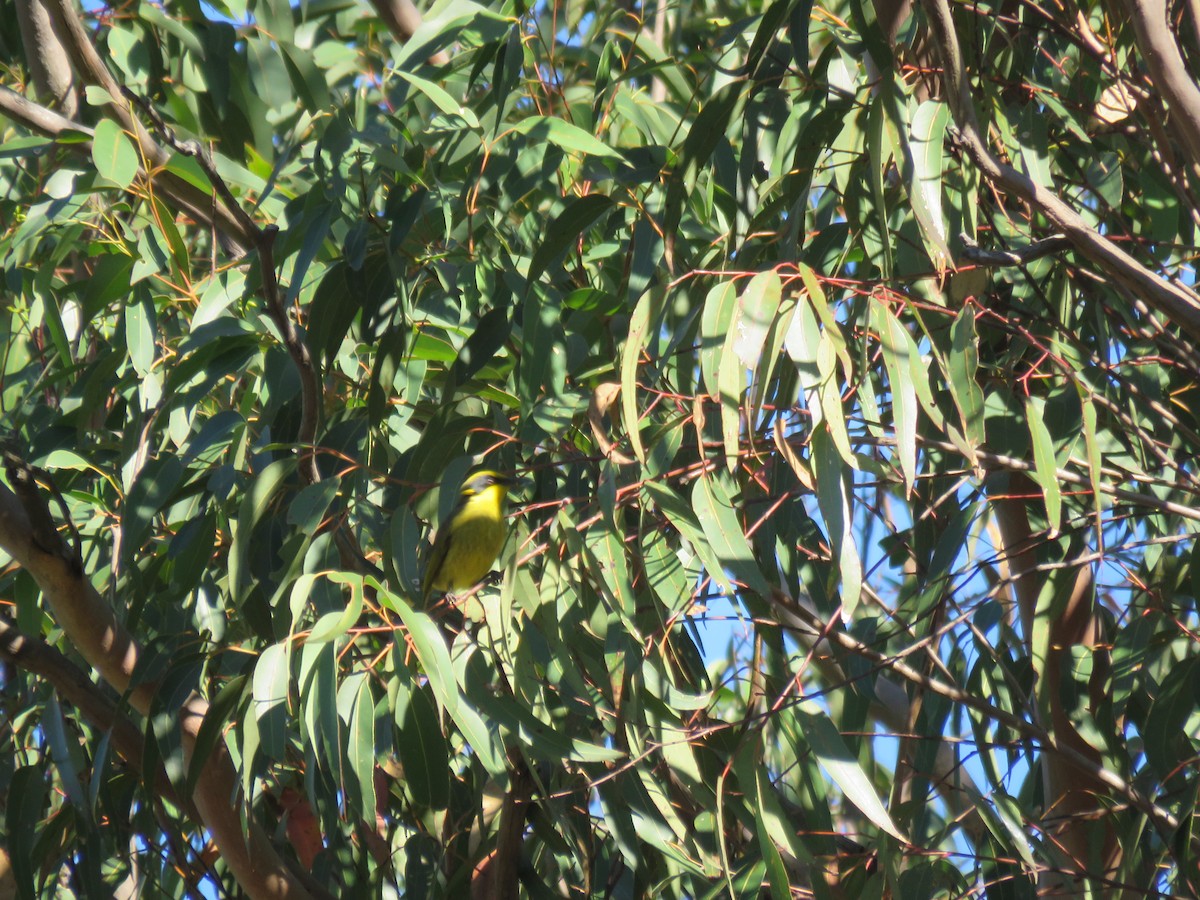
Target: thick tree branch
[496, 877]
[88, 621]
[1176, 302]
[1072, 795]
[180, 194]
[73, 685]
[226, 216]
[47, 60]
[1012, 464]
[402, 19]
[1167, 71]
[93, 71]
[35, 117]
[92, 628]
[892, 708]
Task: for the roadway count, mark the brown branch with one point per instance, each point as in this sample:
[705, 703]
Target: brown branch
[227, 218]
[196, 152]
[809, 622]
[181, 194]
[496, 876]
[92, 628]
[402, 19]
[46, 57]
[972, 252]
[73, 685]
[92, 70]
[1072, 794]
[1176, 302]
[36, 117]
[1168, 71]
[1011, 463]
[88, 621]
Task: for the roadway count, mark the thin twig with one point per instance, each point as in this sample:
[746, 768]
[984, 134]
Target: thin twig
[972, 252]
[1166, 822]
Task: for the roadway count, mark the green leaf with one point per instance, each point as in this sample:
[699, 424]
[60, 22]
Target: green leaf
[23, 808]
[639, 327]
[720, 306]
[422, 747]
[929, 123]
[441, 98]
[255, 505]
[834, 499]
[114, 154]
[139, 334]
[1044, 462]
[216, 718]
[360, 745]
[898, 348]
[680, 514]
[561, 234]
[1094, 459]
[569, 137]
[430, 646]
[332, 625]
[754, 314]
[837, 760]
[270, 689]
[705, 133]
[307, 509]
[318, 692]
[718, 518]
[963, 364]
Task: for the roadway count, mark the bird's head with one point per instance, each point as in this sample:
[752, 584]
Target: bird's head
[487, 486]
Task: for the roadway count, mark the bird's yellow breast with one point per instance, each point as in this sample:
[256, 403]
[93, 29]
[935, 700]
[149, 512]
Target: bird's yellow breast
[475, 534]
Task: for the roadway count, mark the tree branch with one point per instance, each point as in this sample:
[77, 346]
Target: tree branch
[46, 58]
[93, 71]
[35, 117]
[1167, 70]
[181, 194]
[811, 623]
[92, 628]
[972, 252]
[1176, 302]
[73, 685]
[402, 19]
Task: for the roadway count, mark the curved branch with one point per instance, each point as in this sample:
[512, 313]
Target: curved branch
[1012, 464]
[1167, 70]
[972, 252]
[92, 628]
[1177, 303]
[93, 71]
[1072, 795]
[179, 193]
[226, 217]
[73, 685]
[45, 56]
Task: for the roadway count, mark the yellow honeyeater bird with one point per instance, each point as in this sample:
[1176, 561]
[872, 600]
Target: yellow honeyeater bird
[469, 541]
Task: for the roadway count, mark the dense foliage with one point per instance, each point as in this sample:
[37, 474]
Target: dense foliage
[857, 557]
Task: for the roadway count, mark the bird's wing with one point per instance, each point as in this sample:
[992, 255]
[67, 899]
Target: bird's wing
[441, 546]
